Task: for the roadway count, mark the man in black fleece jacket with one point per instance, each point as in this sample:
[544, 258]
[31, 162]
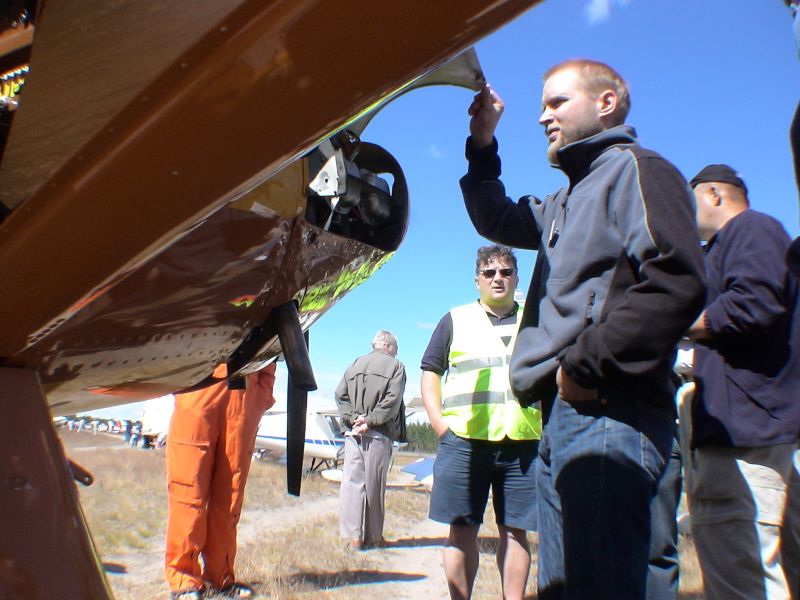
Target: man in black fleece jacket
[618, 280]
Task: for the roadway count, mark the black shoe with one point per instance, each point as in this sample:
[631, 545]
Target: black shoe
[237, 590]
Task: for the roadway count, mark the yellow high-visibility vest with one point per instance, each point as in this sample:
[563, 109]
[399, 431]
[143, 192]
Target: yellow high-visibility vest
[477, 401]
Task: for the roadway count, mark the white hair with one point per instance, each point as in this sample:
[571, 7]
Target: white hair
[383, 339]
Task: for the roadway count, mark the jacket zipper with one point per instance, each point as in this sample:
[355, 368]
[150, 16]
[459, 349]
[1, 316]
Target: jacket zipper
[555, 231]
[590, 308]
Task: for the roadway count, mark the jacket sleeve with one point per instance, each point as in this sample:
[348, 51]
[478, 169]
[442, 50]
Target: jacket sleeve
[495, 216]
[386, 408]
[344, 403]
[658, 285]
[751, 302]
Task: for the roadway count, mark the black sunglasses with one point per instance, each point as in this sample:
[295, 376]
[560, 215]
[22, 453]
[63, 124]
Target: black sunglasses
[490, 273]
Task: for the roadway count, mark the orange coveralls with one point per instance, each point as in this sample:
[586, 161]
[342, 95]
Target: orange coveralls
[209, 448]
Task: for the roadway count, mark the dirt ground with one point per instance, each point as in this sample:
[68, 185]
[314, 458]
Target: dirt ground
[409, 567]
[288, 547]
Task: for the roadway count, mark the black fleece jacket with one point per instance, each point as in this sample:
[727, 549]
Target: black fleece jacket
[619, 273]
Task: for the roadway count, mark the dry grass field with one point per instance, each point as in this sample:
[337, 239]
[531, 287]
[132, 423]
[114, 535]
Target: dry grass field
[288, 547]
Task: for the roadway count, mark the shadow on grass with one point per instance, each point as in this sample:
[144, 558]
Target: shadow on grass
[485, 544]
[115, 568]
[415, 542]
[325, 581]
[488, 545]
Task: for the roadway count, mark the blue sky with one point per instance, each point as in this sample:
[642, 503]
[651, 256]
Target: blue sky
[711, 81]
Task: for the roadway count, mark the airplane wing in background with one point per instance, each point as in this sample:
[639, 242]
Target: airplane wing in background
[422, 470]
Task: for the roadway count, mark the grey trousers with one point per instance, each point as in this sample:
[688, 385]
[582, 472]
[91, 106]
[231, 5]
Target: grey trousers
[361, 496]
[745, 515]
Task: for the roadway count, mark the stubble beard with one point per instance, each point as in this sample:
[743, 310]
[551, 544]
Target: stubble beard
[552, 151]
[566, 138]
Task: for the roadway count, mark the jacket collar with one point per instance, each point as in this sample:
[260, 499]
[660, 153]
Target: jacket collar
[576, 158]
[719, 233]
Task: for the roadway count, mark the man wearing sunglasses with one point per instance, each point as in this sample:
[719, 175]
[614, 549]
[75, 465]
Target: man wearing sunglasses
[486, 438]
[618, 280]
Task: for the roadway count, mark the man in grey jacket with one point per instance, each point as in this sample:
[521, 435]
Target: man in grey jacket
[618, 280]
[370, 401]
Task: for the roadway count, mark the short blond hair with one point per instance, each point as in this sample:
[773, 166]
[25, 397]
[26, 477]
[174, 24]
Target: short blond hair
[598, 77]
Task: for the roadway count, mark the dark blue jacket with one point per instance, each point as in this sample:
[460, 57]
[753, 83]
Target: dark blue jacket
[748, 376]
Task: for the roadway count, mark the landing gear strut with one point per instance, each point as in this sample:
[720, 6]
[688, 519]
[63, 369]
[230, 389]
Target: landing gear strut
[45, 547]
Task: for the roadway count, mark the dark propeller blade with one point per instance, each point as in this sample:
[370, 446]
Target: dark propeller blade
[294, 344]
[296, 403]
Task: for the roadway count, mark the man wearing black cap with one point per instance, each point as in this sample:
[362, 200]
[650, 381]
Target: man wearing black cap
[745, 410]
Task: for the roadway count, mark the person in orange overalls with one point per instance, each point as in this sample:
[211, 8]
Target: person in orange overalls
[209, 448]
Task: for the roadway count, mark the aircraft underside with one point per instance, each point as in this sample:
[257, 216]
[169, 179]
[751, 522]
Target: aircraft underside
[183, 184]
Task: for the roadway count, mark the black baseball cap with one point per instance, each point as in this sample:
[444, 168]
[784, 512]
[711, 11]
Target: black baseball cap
[718, 173]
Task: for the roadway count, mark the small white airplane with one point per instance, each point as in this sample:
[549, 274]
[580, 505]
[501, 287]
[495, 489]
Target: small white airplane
[155, 417]
[323, 440]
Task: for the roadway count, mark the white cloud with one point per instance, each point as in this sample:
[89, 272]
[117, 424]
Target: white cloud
[600, 10]
[426, 326]
[436, 152]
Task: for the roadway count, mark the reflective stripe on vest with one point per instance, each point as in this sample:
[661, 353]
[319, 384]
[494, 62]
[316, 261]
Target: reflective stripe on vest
[479, 363]
[477, 400]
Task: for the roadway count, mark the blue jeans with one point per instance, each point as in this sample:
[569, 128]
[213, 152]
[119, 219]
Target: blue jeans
[598, 469]
[663, 570]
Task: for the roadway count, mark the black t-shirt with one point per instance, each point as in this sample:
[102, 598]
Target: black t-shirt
[437, 353]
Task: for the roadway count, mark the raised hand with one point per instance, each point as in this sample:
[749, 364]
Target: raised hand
[486, 109]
